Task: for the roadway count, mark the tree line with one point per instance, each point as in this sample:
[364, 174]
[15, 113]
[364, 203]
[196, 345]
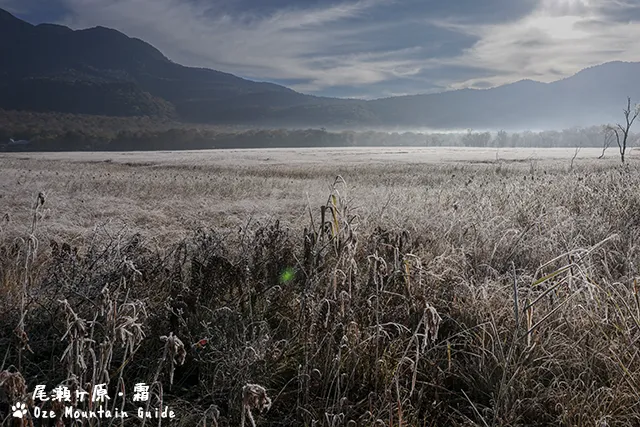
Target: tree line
[71, 132]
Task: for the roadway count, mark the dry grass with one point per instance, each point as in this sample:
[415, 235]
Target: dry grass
[165, 195]
[455, 293]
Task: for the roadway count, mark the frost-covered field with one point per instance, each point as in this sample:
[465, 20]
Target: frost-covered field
[166, 194]
[433, 155]
[459, 286]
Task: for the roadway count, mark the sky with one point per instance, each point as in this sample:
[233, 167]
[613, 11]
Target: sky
[368, 48]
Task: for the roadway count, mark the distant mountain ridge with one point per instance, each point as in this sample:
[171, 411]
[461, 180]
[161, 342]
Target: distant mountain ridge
[122, 75]
[49, 67]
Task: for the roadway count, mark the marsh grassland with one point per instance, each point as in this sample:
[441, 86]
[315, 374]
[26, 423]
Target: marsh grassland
[358, 287]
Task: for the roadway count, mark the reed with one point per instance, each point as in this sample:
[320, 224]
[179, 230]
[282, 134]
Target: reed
[460, 295]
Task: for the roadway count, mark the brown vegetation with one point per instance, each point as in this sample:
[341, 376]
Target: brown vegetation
[459, 294]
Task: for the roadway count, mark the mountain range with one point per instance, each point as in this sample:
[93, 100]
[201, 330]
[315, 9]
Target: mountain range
[101, 71]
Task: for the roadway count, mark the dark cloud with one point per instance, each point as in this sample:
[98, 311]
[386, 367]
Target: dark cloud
[265, 7]
[36, 11]
[425, 40]
[534, 40]
[482, 84]
[592, 24]
[554, 71]
[484, 11]
[463, 10]
[367, 48]
[620, 11]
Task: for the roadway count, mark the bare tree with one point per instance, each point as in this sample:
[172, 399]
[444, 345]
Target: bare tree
[578, 148]
[620, 133]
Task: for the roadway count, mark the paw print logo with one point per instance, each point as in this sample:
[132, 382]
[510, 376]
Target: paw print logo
[19, 410]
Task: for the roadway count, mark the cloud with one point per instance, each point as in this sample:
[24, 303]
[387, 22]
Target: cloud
[370, 48]
[15, 7]
[304, 44]
[558, 39]
[35, 10]
[620, 10]
[311, 48]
